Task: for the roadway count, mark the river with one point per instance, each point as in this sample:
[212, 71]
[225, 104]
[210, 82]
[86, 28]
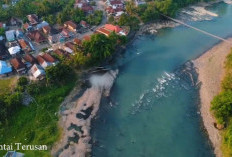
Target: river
[153, 108]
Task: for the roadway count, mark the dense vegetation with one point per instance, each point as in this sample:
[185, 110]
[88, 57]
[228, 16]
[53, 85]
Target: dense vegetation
[100, 47]
[53, 11]
[36, 123]
[222, 107]
[96, 50]
[150, 11]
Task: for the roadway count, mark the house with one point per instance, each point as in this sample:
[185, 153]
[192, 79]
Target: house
[53, 38]
[77, 42]
[14, 50]
[19, 33]
[65, 33]
[27, 27]
[69, 47]
[118, 14]
[116, 29]
[13, 44]
[41, 25]
[46, 29]
[84, 24]
[36, 36]
[87, 8]
[25, 45]
[49, 58]
[37, 72]
[110, 10]
[115, 4]
[61, 52]
[71, 26]
[14, 154]
[5, 68]
[114, 11]
[13, 21]
[29, 60]
[113, 28]
[3, 51]
[104, 31]
[46, 60]
[33, 19]
[79, 3]
[2, 25]
[10, 35]
[18, 65]
[42, 62]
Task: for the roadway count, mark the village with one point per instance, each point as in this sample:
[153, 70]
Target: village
[29, 48]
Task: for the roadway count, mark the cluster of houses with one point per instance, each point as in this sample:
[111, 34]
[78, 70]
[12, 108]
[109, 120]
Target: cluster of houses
[84, 6]
[35, 66]
[19, 43]
[42, 32]
[116, 8]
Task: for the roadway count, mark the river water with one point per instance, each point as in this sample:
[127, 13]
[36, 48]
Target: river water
[153, 108]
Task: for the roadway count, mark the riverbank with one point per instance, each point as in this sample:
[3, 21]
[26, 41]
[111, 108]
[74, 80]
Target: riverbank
[77, 114]
[210, 67]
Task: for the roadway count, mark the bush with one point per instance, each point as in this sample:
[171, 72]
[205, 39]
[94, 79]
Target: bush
[222, 106]
[34, 88]
[22, 81]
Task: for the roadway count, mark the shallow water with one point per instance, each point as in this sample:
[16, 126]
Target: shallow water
[153, 107]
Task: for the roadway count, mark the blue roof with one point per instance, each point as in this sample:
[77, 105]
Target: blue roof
[4, 68]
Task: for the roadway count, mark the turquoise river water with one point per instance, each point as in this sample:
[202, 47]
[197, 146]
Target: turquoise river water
[153, 108]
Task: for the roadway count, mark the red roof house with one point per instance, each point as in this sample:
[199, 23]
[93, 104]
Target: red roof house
[103, 31]
[36, 36]
[18, 65]
[25, 45]
[70, 25]
[46, 29]
[112, 28]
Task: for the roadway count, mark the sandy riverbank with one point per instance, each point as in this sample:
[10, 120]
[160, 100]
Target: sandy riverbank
[78, 113]
[210, 67]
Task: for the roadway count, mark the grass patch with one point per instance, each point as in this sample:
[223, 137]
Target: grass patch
[227, 141]
[7, 84]
[37, 124]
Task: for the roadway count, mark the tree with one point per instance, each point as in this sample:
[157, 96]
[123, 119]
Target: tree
[22, 81]
[78, 60]
[51, 19]
[95, 19]
[131, 21]
[58, 74]
[111, 19]
[222, 106]
[99, 47]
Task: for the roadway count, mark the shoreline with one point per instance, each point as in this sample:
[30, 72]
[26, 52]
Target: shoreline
[79, 112]
[210, 69]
